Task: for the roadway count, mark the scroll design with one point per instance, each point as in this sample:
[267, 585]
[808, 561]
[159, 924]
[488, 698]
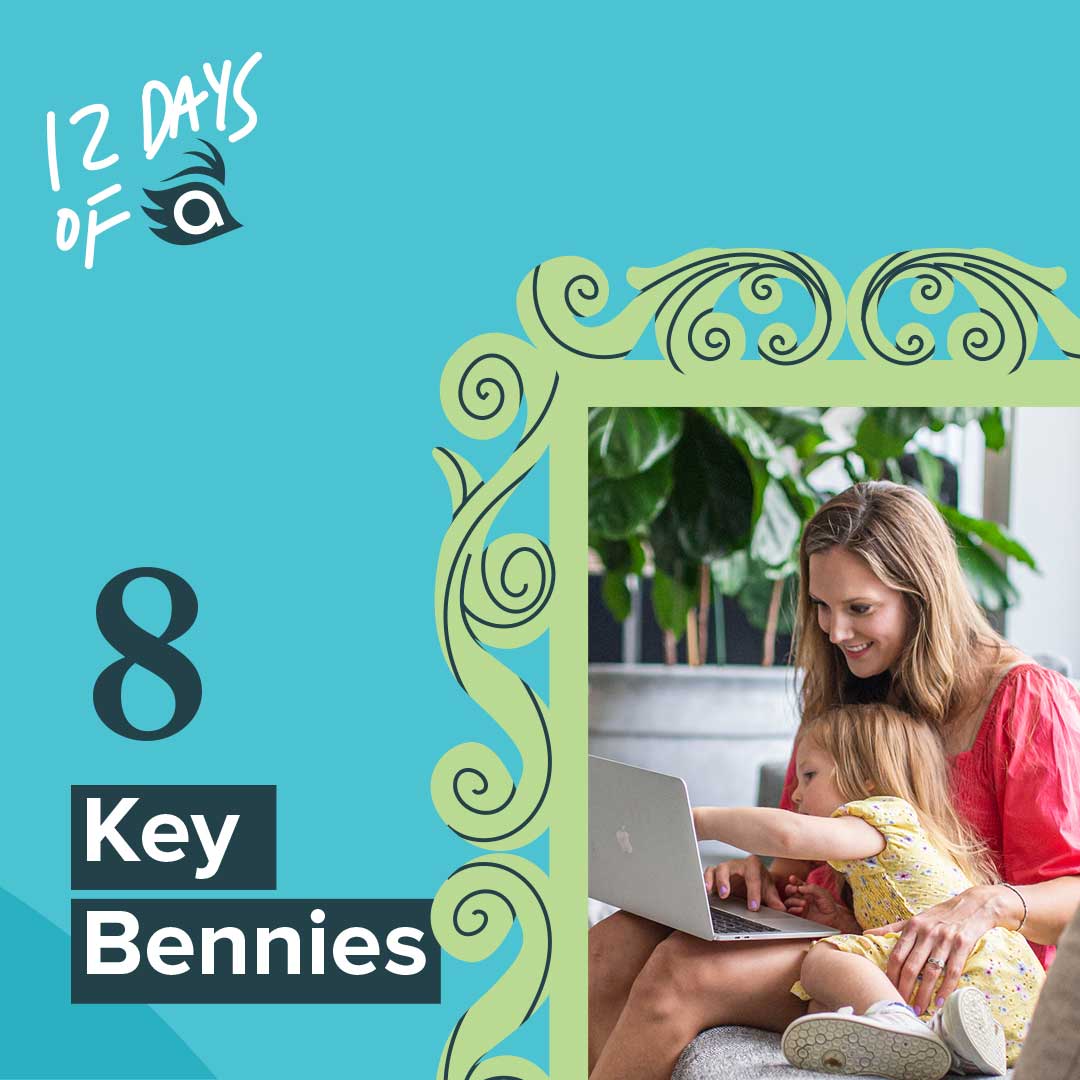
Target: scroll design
[494, 594]
[681, 296]
[1012, 297]
[472, 913]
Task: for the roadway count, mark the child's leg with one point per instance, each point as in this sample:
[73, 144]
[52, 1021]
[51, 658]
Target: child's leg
[881, 1036]
[834, 978]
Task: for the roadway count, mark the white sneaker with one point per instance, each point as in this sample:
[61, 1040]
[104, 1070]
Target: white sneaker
[967, 1027]
[888, 1040]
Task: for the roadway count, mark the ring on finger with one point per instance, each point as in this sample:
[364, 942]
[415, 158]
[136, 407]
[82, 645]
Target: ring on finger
[933, 961]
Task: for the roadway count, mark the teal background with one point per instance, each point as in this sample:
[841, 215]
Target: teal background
[256, 413]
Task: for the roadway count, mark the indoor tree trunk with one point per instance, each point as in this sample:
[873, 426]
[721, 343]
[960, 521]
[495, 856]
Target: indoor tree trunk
[704, 595]
[670, 646]
[693, 655]
[769, 653]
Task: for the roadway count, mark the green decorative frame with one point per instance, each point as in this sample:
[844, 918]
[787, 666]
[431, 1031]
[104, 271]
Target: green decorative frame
[502, 594]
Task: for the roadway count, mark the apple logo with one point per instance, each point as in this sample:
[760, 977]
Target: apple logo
[623, 838]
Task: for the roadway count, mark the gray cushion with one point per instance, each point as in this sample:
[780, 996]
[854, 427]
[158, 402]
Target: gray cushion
[737, 1053]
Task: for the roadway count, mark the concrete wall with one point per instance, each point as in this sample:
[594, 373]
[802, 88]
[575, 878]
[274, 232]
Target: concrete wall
[1045, 516]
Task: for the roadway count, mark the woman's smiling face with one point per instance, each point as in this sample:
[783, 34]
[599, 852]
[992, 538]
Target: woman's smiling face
[863, 617]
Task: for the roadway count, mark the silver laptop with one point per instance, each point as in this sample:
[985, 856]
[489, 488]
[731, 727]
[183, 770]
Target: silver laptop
[643, 856]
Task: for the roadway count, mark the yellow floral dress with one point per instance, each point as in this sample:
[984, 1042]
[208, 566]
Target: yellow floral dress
[909, 875]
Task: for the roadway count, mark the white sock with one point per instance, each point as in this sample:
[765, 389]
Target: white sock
[885, 1005]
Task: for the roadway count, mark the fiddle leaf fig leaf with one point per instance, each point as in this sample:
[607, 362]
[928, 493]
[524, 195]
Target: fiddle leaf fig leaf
[778, 528]
[616, 595]
[884, 433]
[989, 584]
[989, 533]
[672, 601]
[992, 423]
[715, 498]
[625, 442]
[729, 573]
[931, 472]
[756, 595]
[739, 424]
[621, 508]
[625, 556]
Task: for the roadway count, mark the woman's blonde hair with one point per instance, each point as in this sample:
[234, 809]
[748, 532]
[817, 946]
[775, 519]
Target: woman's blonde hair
[880, 750]
[908, 546]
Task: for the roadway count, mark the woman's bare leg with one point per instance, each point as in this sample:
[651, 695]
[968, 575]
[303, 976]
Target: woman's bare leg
[619, 947]
[688, 985]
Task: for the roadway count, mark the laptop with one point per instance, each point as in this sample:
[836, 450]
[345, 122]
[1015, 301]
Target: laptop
[643, 857]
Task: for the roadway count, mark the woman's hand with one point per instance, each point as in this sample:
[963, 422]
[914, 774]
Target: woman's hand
[816, 903]
[744, 877]
[944, 934]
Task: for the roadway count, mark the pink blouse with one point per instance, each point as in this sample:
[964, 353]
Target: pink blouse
[1018, 786]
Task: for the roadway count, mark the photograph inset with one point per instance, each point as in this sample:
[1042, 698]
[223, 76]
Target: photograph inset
[834, 784]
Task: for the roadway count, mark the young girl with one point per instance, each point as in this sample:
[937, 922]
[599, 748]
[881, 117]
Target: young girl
[872, 798]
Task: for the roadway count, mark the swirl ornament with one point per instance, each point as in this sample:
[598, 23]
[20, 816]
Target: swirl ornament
[494, 595]
[1012, 296]
[681, 296]
[494, 592]
[472, 913]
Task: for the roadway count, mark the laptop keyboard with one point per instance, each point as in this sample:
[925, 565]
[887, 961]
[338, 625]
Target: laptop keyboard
[723, 922]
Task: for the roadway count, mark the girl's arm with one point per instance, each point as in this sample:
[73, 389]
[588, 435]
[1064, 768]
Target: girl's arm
[765, 831]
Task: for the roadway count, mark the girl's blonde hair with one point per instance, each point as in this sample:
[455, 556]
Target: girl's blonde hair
[879, 750]
[908, 546]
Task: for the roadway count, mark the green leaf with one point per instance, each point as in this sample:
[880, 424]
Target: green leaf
[991, 420]
[739, 425]
[814, 461]
[797, 426]
[803, 497]
[931, 472]
[778, 528]
[989, 532]
[750, 431]
[993, 429]
[619, 509]
[668, 552]
[989, 584]
[624, 556]
[616, 595]
[756, 595]
[855, 468]
[625, 442]
[884, 433]
[672, 601]
[729, 573]
[715, 497]
[940, 416]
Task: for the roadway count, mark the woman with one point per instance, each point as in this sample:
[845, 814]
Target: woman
[884, 614]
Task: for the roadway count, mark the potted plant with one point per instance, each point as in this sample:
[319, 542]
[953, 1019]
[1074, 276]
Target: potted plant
[718, 497]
